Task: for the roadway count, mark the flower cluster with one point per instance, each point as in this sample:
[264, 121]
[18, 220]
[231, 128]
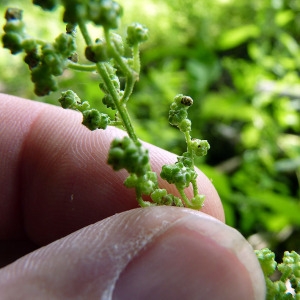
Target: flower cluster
[46, 4]
[92, 118]
[145, 184]
[45, 60]
[106, 13]
[126, 154]
[136, 34]
[14, 30]
[161, 197]
[107, 57]
[200, 147]
[50, 63]
[178, 174]
[178, 112]
[290, 271]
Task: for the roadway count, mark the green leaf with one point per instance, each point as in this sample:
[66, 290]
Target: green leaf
[284, 17]
[237, 36]
[285, 205]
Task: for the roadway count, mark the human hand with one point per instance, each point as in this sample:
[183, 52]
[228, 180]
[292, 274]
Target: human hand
[54, 180]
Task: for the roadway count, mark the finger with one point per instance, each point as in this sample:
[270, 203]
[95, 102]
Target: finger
[151, 253]
[59, 180]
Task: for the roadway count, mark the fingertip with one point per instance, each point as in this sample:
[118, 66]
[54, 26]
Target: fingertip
[150, 253]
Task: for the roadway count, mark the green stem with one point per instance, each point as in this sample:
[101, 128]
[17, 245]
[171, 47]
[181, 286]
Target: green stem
[195, 187]
[131, 75]
[141, 201]
[190, 151]
[185, 199]
[101, 68]
[115, 123]
[85, 32]
[80, 67]
[128, 89]
[116, 55]
[121, 108]
[189, 148]
[134, 75]
[136, 58]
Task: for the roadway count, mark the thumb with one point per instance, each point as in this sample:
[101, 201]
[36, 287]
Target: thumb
[150, 253]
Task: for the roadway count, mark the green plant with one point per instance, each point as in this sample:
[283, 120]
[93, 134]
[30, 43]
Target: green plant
[290, 274]
[118, 72]
[106, 56]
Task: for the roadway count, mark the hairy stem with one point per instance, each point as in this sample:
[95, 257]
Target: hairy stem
[101, 68]
[124, 116]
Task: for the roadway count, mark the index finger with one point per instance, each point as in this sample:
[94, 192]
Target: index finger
[54, 176]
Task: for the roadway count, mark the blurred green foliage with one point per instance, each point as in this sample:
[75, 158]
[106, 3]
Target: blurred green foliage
[240, 62]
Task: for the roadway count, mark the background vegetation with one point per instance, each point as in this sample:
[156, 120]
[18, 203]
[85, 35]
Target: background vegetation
[240, 61]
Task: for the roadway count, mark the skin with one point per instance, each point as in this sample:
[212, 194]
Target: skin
[86, 238]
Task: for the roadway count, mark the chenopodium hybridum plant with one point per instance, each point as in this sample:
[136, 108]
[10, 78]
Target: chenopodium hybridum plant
[106, 55]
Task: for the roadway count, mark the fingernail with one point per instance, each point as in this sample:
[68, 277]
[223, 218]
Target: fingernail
[184, 264]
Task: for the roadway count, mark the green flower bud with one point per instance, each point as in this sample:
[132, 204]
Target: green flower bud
[125, 154]
[53, 60]
[158, 195]
[75, 10]
[267, 261]
[176, 116]
[186, 159]
[44, 82]
[13, 14]
[178, 174]
[178, 112]
[108, 101]
[131, 181]
[161, 197]
[104, 12]
[97, 52]
[93, 119]
[69, 99]
[46, 4]
[32, 59]
[115, 81]
[197, 202]
[103, 88]
[30, 45]
[200, 147]
[185, 125]
[136, 34]
[65, 45]
[13, 42]
[145, 184]
[117, 41]
[16, 26]
[290, 268]
[148, 183]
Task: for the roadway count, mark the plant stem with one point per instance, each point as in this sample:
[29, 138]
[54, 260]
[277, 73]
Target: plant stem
[101, 68]
[190, 151]
[130, 74]
[85, 32]
[80, 67]
[115, 54]
[121, 108]
[189, 148]
[185, 199]
[136, 58]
